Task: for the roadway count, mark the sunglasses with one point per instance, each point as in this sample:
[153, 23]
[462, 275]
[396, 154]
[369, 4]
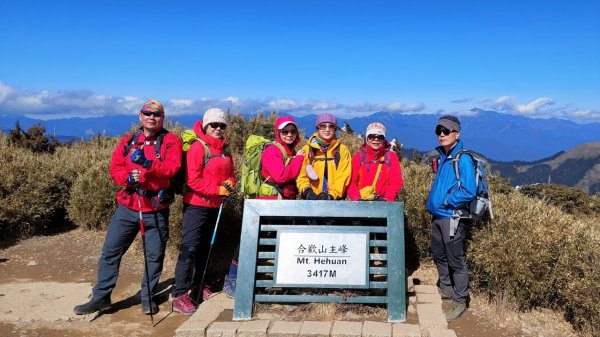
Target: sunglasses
[325, 126]
[378, 137]
[446, 132]
[216, 125]
[286, 132]
[151, 113]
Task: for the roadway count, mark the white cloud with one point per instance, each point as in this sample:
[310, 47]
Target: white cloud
[85, 103]
[509, 104]
[461, 100]
[533, 106]
[4, 91]
[543, 107]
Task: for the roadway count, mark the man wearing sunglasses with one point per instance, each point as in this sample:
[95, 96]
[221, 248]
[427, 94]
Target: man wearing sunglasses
[143, 165]
[447, 228]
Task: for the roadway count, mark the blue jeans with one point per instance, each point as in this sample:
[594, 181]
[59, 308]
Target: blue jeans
[449, 257]
[122, 230]
[198, 226]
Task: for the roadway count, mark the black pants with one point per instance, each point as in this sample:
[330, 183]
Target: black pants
[198, 226]
[449, 257]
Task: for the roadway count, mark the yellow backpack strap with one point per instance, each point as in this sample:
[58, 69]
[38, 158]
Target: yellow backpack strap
[377, 173]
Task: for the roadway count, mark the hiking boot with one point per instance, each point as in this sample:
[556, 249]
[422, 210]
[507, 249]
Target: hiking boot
[146, 308]
[456, 309]
[446, 294]
[183, 304]
[95, 304]
[229, 285]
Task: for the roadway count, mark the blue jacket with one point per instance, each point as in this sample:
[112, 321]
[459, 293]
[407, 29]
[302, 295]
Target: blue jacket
[445, 196]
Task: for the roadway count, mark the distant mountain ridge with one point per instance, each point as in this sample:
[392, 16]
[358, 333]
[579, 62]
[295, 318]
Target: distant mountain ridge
[578, 167]
[498, 136]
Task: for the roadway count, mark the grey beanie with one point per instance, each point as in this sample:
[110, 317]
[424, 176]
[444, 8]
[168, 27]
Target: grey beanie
[449, 122]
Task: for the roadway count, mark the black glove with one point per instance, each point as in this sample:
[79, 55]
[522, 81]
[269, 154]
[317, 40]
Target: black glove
[228, 186]
[325, 196]
[310, 195]
[138, 157]
[166, 196]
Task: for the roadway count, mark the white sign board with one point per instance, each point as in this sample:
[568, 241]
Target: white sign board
[322, 258]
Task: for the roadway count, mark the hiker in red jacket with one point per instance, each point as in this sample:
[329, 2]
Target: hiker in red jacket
[143, 165]
[207, 183]
[281, 169]
[376, 171]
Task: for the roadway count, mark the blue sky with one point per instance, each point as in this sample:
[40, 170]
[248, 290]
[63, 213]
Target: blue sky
[89, 58]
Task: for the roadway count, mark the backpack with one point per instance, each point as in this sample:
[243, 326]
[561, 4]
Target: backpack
[188, 137]
[482, 202]
[252, 178]
[157, 143]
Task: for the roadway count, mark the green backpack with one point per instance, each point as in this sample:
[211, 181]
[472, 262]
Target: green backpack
[188, 137]
[252, 179]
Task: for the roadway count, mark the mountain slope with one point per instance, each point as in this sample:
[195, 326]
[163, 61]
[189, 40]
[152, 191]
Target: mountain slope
[578, 167]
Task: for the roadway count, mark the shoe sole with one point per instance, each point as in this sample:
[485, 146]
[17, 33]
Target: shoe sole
[100, 311]
[189, 313]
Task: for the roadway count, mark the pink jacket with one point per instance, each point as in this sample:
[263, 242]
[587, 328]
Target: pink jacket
[276, 169]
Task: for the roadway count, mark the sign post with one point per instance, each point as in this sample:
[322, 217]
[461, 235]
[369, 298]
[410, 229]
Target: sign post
[326, 246]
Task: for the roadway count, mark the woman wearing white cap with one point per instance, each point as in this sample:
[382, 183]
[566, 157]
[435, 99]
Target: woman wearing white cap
[208, 182]
[376, 171]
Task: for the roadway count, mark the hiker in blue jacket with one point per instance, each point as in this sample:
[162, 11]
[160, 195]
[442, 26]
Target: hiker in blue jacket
[445, 201]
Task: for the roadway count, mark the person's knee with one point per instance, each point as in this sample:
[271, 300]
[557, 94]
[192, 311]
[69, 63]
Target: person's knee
[187, 254]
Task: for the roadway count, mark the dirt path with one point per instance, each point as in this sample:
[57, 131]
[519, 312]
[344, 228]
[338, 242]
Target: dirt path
[43, 278]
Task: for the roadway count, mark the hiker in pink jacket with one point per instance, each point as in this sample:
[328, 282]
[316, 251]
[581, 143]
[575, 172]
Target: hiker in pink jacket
[280, 165]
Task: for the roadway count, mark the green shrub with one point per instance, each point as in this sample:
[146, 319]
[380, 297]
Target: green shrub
[534, 255]
[92, 202]
[33, 193]
[569, 200]
[417, 183]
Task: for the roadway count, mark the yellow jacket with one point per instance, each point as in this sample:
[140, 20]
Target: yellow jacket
[338, 178]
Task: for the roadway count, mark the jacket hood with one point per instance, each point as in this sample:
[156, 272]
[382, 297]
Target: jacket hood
[278, 122]
[216, 143]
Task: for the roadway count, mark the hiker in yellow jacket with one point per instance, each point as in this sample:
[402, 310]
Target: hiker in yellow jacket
[327, 166]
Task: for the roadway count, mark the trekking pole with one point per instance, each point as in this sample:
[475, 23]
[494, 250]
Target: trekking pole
[145, 258]
[212, 241]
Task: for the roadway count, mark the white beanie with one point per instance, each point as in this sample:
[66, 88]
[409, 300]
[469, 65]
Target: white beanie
[375, 129]
[213, 115]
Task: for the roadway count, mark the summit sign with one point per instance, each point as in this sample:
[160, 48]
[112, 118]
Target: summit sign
[327, 259]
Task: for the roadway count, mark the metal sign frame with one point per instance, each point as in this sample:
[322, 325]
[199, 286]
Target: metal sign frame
[392, 213]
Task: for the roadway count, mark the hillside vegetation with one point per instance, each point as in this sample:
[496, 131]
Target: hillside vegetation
[578, 167]
[542, 250]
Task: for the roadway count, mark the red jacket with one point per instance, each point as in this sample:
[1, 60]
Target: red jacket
[274, 166]
[389, 182]
[154, 178]
[205, 180]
